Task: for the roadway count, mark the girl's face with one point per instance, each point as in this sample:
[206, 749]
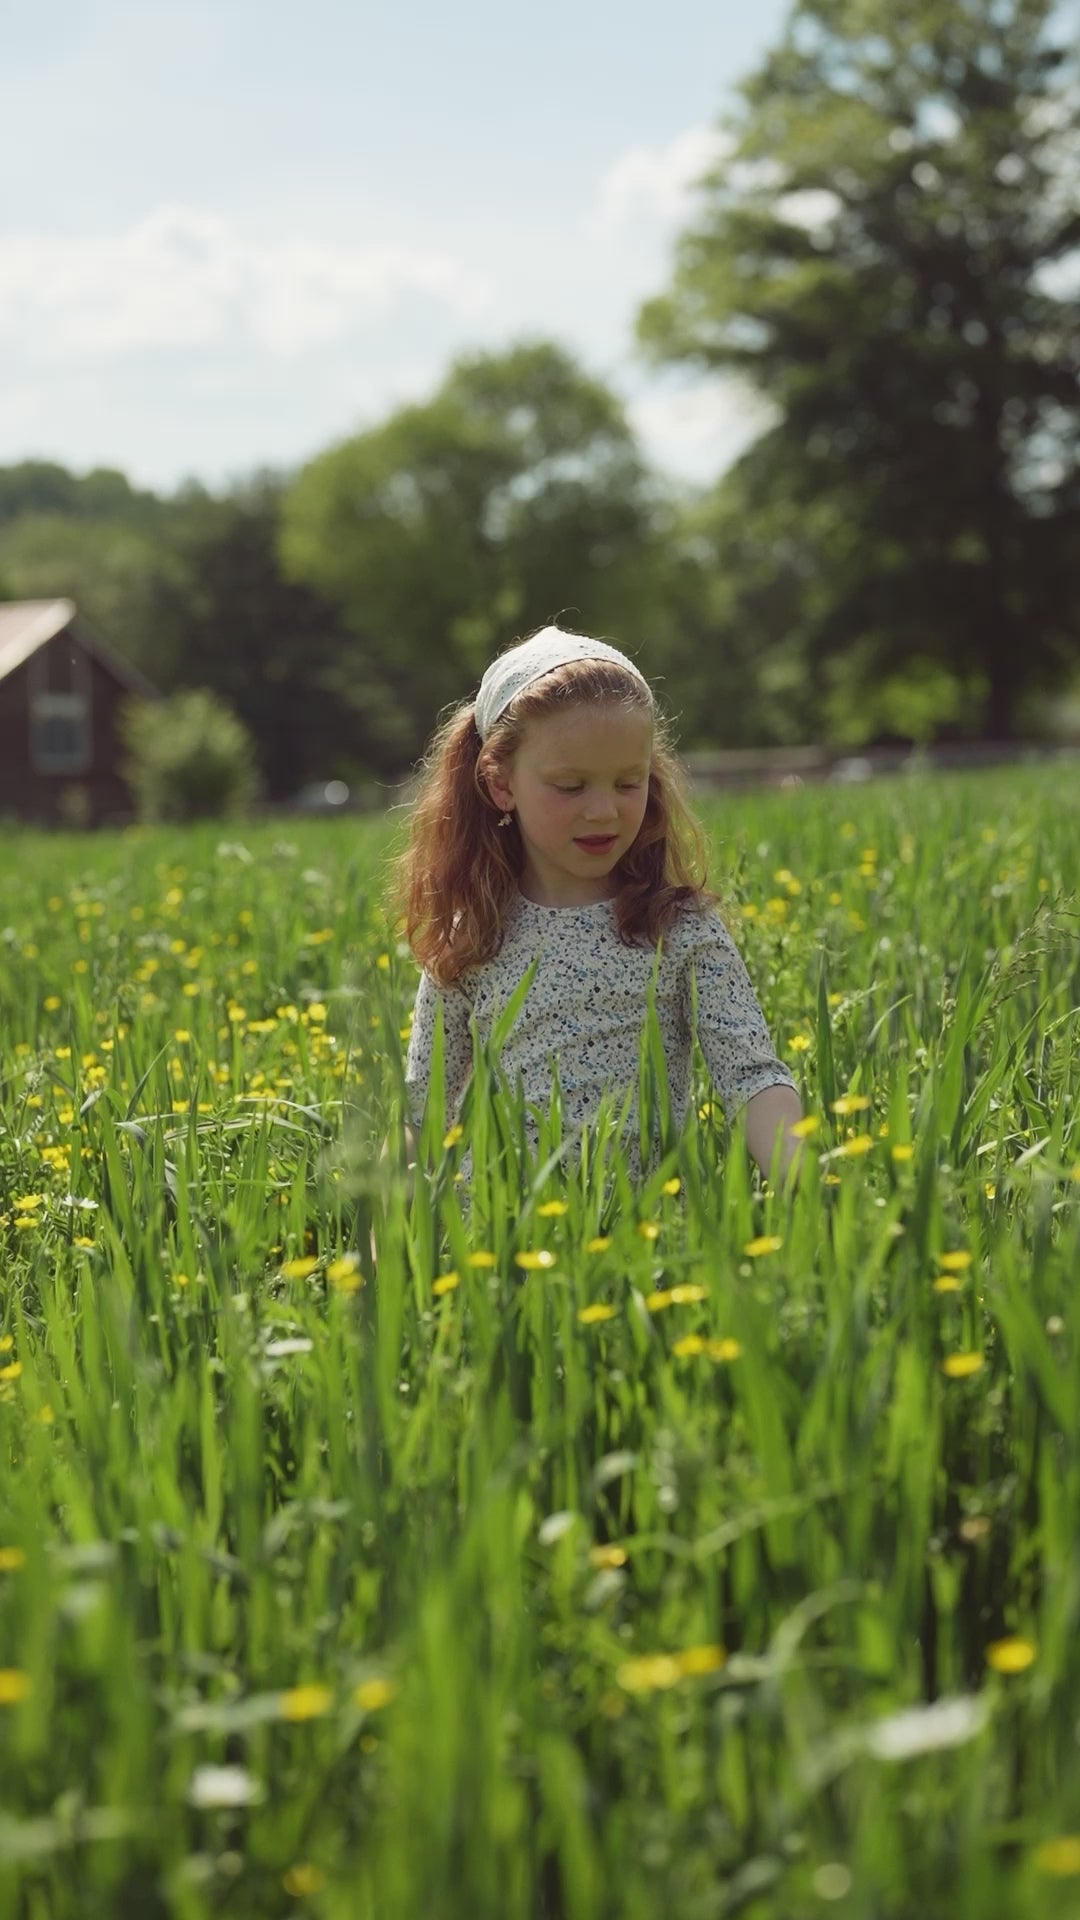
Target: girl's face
[578, 776]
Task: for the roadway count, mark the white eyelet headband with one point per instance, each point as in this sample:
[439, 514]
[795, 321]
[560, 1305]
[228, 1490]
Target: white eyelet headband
[520, 665]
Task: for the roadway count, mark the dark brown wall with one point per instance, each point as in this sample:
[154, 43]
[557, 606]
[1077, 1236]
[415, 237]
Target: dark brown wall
[39, 797]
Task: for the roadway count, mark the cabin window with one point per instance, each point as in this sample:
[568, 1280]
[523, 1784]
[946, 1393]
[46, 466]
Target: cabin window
[60, 733]
[59, 699]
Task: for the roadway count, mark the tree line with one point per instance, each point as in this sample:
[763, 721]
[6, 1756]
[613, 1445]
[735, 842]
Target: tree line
[887, 253]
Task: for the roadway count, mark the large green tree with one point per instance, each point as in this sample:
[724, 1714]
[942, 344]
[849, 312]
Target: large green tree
[888, 253]
[517, 494]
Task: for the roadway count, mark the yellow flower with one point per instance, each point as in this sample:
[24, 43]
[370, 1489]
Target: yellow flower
[955, 1262]
[673, 1185]
[701, 1659]
[344, 1274]
[7, 1341]
[383, 963]
[298, 1269]
[12, 1371]
[14, 1686]
[649, 1672]
[591, 1316]
[373, 1694]
[903, 1152]
[308, 1702]
[799, 1043]
[652, 1671]
[302, 1878]
[553, 1209]
[809, 1124]
[690, 1344]
[648, 1229]
[990, 1190]
[46, 1415]
[608, 1556]
[860, 1143]
[28, 1201]
[1012, 1655]
[11, 1559]
[723, 1349]
[974, 1528]
[52, 1003]
[598, 1244]
[1060, 1857]
[531, 1262]
[182, 1279]
[677, 1296]
[482, 1260]
[958, 1366]
[446, 1283]
[850, 1103]
[765, 1243]
[946, 1283]
[455, 1134]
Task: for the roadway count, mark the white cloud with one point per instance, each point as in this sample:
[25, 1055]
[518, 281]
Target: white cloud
[187, 278]
[696, 430]
[811, 207]
[657, 183]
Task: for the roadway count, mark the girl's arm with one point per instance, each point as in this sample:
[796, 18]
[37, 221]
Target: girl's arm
[769, 1115]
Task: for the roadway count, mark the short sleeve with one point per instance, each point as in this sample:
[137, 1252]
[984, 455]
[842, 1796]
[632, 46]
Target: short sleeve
[456, 1007]
[730, 1024]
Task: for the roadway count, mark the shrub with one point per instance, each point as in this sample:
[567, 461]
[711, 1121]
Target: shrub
[188, 757]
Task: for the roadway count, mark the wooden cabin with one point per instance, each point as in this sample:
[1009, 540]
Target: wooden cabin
[60, 690]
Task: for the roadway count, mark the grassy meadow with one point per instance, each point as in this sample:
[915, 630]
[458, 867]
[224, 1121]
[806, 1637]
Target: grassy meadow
[700, 1549]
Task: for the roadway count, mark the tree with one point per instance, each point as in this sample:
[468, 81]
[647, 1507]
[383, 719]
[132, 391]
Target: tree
[516, 494]
[885, 255]
[188, 757]
[107, 565]
[226, 618]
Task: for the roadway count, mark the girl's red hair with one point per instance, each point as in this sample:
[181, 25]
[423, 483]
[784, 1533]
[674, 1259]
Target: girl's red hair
[458, 875]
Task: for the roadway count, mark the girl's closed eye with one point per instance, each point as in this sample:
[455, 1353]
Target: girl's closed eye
[628, 786]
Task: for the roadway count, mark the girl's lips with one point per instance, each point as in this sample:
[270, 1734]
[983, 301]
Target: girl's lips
[598, 844]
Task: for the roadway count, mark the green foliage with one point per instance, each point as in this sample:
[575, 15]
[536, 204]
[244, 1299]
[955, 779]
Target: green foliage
[881, 255]
[33, 487]
[189, 757]
[224, 616]
[108, 566]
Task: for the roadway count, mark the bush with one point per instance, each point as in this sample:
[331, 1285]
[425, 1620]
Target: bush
[189, 757]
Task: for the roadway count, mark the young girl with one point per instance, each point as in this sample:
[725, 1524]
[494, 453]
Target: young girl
[551, 821]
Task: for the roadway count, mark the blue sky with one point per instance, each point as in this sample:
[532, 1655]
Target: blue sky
[232, 234]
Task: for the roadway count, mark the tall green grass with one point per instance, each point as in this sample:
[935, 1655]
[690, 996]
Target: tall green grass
[606, 1549]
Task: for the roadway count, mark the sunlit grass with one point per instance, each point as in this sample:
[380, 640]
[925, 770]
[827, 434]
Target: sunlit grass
[608, 1550]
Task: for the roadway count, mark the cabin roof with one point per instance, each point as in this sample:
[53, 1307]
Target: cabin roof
[27, 625]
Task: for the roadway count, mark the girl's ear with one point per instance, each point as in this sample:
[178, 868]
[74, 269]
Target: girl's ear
[498, 788]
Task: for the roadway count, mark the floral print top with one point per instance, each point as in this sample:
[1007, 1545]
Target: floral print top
[586, 1008]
